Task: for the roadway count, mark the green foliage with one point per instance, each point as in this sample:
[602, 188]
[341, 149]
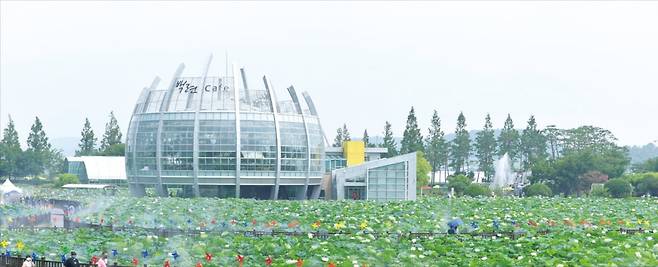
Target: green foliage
[619, 188]
[475, 190]
[346, 133]
[565, 174]
[66, 178]
[486, 148]
[10, 151]
[389, 142]
[39, 155]
[114, 150]
[459, 183]
[592, 138]
[412, 140]
[508, 140]
[648, 184]
[533, 145]
[112, 135]
[650, 165]
[592, 177]
[37, 140]
[599, 190]
[593, 243]
[538, 189]
[553, 136]
[338, 140]
[366, 139]
[10, 136]
[422, 169]
[435, 145]
[87, 146]
[461, 145]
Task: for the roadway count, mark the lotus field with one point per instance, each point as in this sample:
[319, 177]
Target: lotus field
[547, 232]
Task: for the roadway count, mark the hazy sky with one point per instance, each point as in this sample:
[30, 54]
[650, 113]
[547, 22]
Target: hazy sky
[569, 64]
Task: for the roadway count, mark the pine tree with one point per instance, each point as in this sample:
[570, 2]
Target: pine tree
[533, 145]
[10, 150]
[412, 140]
[508, 140]
[10, 136]
[338, 140]
[436, 146]
[460, 145]
[346, 133]
[87, 141]
[486, 148]
[366, 139]
[389, 142]
[38, 155]
[112, 135]
[37, 141]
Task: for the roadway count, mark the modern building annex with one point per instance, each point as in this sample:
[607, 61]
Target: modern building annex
[219, 136]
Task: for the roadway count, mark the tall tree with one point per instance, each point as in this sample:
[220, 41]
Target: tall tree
[553, 138]
[10, 150]
[508, 140]
[112, 135]
[338, 140]
[485, 149]
[588, 137]
[389, 142]
[366, 139]
[460, 147]
[38, 154]
[37, 140]
[412, 140]
[436, 148]
[87, 144]
[10, 136]
[533, 145]
[346, 133]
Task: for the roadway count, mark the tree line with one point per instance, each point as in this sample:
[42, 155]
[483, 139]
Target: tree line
[559, 158]
[41, 158]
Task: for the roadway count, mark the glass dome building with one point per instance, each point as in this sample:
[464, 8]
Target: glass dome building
[218, 137]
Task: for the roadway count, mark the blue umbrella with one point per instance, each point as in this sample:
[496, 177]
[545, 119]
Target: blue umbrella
[496, 224]
[453, 224]
[175, 255]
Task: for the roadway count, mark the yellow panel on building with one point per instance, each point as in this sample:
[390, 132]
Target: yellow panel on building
[354, 152]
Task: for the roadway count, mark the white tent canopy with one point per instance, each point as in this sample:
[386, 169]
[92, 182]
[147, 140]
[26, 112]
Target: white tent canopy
[9, 187]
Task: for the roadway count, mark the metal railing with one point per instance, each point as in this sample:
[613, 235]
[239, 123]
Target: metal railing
[18, 262]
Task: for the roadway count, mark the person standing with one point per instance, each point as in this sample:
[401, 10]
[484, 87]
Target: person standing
[103, 261]
[72, 261]
[28, 262]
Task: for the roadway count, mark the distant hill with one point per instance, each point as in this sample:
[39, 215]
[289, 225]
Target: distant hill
[642, 153]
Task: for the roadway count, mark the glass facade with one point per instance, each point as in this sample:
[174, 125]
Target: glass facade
[191, 134]
[217, 147]
[258, 148]
[293, 149]
[77, 168]
[177, 141]
[388, 182]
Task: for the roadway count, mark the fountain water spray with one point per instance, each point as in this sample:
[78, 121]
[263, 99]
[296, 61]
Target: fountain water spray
[504, 175]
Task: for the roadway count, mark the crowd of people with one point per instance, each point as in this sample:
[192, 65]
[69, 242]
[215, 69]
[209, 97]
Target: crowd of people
[71, 261]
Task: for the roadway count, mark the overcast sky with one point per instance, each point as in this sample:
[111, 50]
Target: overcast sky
[569, 64]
